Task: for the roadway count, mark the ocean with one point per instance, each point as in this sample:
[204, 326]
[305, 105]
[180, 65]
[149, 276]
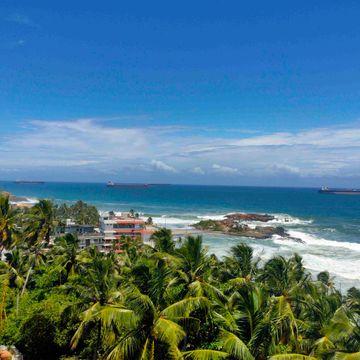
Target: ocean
[329, 225]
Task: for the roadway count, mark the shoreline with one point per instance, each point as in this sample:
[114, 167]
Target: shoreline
[326, 245]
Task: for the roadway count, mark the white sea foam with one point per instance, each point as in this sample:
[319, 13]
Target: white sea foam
[175, 222]
[220, 245]
[32, 200]
[332, 230]
[287, 220]
[172, 221]
[344, 267]
[318, 241]
[341, 259]
[212, 217]
[29, 201]
[280, 219]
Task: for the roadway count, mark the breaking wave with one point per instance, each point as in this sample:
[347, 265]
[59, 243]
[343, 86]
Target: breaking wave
[188, 220]
[340, 258]
[312, 240]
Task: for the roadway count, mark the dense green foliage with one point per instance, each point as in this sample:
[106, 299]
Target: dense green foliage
[170, 301]
[80, 212]
[208, 225]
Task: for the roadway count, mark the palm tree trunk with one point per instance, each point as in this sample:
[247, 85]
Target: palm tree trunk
[26, 280]
[3, 303]
[98, 341]
[17, 302]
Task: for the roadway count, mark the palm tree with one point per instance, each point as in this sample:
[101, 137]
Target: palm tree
[96, 287]
[276, 275]
[231, 347]
[8, 224]
[14, 266]
[128, 322]
[12, 273]
[36, 256]
[163, 240]
[192, 273]
[65, 253]
[193, 257]
[41, 223]
[172, 301]
[343, 330]
[240, 263]
[155, 332]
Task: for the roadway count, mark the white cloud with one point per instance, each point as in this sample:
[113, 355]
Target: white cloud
[225, 169]
[20, 42]
[278, 169]
[160, 165]
[198, 170]
[21, 19]
[96, 146]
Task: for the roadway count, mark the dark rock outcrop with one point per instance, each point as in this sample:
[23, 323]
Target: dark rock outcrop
[250, 217]
[236, 224]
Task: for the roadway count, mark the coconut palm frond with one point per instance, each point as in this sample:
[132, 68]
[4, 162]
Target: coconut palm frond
[168, 331]
[235, 346]
[186, 306]
[292, 357]
[205, 355]
[226, 321]
[347, 356]
[117, 315]
[128, 346]
[323, 345]
[89, 315]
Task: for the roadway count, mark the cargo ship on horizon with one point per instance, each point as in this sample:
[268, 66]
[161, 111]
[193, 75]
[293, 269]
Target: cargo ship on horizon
[326, 190]
[28, 182]
[137, 185]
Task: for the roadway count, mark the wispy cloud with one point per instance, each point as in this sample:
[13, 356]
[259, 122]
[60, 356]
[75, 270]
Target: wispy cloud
[225, 169]
[13, 44]
[97, 147]
[20, 42]
[160, 165]
[21, 19]
[198, 170]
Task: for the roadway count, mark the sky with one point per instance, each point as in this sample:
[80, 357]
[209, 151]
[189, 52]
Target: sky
[190, 92]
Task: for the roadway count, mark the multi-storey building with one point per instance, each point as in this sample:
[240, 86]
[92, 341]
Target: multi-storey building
[92, 239]
[114, 226]
[76, 229]
[108, 237]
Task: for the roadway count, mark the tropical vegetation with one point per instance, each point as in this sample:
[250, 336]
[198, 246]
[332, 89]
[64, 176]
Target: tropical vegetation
[166, 301]
[80, 212]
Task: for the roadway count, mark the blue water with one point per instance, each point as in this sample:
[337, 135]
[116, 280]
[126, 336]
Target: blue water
[328, 224]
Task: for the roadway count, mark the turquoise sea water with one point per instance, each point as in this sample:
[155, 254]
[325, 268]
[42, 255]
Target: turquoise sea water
[329, 225]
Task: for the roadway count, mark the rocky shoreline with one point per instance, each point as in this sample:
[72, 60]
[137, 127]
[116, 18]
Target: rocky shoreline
[238, 224]
[17, 201]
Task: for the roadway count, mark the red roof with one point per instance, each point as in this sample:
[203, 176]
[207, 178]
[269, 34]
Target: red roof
[129, 221]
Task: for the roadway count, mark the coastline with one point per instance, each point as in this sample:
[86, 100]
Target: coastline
[327, 226]
[20, 201]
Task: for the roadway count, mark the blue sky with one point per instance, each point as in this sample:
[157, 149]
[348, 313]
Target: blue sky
[204, 92]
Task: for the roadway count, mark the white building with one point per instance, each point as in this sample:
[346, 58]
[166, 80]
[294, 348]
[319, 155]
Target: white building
[114, 226]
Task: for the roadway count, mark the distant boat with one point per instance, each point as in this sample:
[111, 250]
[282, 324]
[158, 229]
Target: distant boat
[136, 185]
[28, 182]
[159, 184]
[326, 190]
